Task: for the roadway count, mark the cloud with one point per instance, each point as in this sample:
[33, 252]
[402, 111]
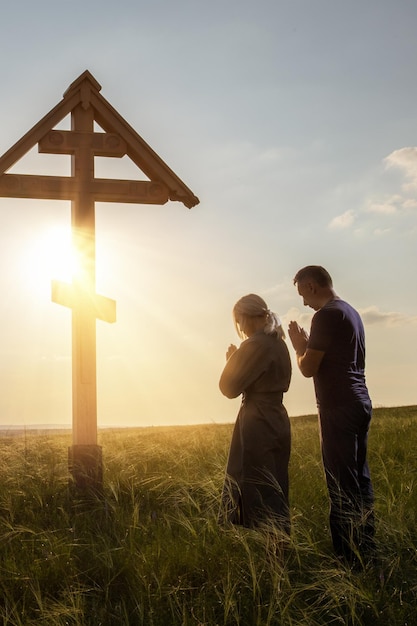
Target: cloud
[403, 203]
[384, 208]
[381, 232]
[301, 317]
[281, 292]
[392, 205]
[372, 315]
[342, 221]
[404, 159]
[410, 203]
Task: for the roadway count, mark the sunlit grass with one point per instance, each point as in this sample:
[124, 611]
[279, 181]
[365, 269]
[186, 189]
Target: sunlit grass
[150, 552]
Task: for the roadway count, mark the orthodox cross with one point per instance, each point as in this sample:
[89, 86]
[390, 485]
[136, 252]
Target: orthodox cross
[86, 106]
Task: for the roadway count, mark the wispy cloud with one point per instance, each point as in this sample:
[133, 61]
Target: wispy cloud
[301, 317]
[345, 220]
[372, 315]
[384, 208]
[410, 203]
[402, 203]
[381, 232]
[404, 159]
[282, 292]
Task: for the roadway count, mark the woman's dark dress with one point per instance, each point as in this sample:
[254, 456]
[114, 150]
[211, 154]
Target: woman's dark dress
[256, 484]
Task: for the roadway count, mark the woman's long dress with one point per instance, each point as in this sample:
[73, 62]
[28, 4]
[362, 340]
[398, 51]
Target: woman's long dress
[256, 483]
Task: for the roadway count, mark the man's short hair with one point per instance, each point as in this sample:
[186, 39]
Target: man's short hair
[316, 273]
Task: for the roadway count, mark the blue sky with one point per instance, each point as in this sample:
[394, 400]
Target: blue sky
[295, 123]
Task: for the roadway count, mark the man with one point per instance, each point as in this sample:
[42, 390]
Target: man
[334, 356]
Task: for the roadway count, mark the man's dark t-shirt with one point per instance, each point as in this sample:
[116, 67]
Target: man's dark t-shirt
[337, 330]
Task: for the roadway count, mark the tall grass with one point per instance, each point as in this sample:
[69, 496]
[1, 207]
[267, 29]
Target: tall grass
[150, 552]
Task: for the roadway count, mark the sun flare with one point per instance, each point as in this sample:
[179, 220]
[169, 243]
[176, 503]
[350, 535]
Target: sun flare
[50, 256]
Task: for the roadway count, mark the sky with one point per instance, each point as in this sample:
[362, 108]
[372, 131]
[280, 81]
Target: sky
[294, 122]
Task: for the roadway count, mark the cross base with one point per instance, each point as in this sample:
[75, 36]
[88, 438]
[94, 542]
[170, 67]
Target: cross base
[85, 464]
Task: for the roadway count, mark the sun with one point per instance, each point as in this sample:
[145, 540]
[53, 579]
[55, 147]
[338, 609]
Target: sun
[50, 256]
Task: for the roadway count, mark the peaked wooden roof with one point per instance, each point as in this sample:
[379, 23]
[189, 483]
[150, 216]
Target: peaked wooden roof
[85, 90]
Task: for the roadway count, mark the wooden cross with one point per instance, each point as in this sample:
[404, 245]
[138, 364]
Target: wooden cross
[86, 106]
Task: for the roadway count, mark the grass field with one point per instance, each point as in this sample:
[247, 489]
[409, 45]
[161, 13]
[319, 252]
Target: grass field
[150, 552]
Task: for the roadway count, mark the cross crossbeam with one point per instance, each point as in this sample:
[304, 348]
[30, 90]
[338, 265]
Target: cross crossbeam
[67, 188]
[71, 296]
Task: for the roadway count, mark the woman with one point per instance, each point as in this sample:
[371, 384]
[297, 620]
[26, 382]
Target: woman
[256, 484]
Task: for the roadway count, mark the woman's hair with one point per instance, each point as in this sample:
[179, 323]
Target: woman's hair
[254, 306]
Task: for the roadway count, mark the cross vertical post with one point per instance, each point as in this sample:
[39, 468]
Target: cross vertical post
[85, 456]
